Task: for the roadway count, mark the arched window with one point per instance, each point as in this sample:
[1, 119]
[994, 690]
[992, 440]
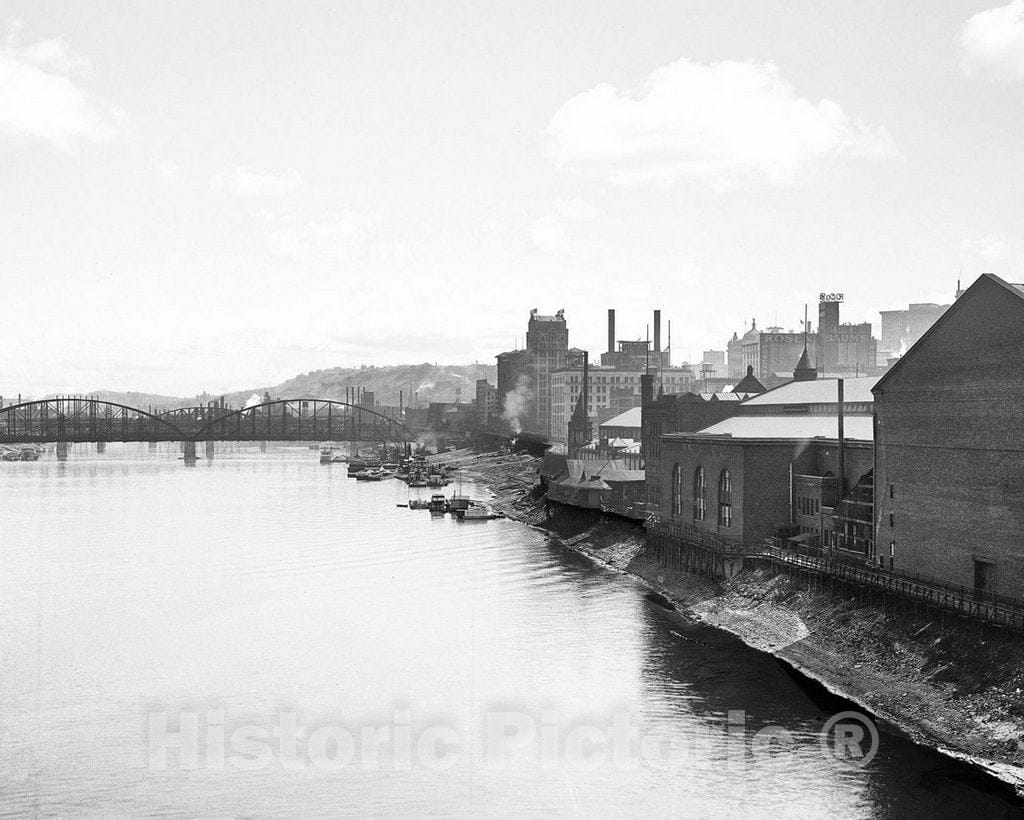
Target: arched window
[699, 490]
[724, 499]
[677, 491]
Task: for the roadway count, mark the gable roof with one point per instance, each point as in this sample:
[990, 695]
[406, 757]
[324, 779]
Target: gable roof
[749, 383]
[855, 428]
[816, 391]
[983, 281]
[631, 418]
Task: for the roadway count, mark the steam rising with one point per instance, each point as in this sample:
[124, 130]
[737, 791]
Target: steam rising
[515, 404]
[253, 400]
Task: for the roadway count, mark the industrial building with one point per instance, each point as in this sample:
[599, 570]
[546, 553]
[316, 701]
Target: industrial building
[681, 413]
[842, 348]
[780, 464]
[611, 391]
[613, 387]
[949, 490]
[486, 403]
[512, 389]
[835, 348]
[902, 328]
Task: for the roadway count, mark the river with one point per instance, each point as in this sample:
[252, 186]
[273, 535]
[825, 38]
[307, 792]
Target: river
[259, 635]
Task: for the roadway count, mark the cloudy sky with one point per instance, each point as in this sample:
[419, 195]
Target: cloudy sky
[214, 195]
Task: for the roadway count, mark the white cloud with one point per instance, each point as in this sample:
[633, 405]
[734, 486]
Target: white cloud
[987, 247]
[550, 233]
[165, 168]
[725, 123]
[341, 236]
[243, 181]
[57, 55]
[575, 209]
[992, 43]
[39, 100]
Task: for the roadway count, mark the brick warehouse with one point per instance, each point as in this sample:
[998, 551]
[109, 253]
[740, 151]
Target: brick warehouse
[770, 469]
[949, 494]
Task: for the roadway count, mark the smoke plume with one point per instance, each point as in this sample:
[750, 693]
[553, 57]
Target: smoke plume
[515, 405]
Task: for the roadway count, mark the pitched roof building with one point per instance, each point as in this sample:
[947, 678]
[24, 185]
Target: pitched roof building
[949, 493]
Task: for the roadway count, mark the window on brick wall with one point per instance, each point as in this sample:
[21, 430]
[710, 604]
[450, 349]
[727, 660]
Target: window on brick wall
[699, 491]
[677, 490]
[724, 499]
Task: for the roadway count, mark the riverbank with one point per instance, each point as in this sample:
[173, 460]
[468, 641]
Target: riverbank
[955, 687]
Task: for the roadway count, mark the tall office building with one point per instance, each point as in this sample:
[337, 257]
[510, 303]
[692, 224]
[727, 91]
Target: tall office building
[547, 344]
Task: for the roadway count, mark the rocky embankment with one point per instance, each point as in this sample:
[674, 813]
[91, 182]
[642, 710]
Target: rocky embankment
[954, 686]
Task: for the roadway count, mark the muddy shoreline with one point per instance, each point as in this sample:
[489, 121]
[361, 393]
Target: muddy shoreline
[951, 687]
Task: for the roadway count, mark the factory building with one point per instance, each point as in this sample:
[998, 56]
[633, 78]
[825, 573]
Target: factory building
[486, 402]
[512, 390]
[902, 328]
[636, 355]
[842, 348]
[778, 466]
[949, 494]
[685, 412]
[611, 390]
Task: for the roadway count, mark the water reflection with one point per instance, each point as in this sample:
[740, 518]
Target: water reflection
[262, 586]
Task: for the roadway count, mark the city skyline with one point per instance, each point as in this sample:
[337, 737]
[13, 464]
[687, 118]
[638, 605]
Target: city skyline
[314, 207]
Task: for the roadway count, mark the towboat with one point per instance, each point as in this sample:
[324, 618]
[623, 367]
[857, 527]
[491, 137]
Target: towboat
[438, 505]
[477, 512]
[355, 467]
[474, 514]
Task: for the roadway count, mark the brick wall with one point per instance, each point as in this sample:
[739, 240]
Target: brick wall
[950, 444]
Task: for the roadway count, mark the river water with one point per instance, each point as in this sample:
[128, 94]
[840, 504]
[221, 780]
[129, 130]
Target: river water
[260, 635]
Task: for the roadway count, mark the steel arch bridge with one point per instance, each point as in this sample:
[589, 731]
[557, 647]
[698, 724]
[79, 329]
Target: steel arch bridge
[304, 420]
[81, 420]
[189, 420]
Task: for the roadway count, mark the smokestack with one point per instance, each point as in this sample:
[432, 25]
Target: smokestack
[401, 394]
[841, 466]
[657, 331]
[586, 385]
[611, 330]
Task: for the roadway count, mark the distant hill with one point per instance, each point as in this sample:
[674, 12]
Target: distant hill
[140, 400]
[428, 382]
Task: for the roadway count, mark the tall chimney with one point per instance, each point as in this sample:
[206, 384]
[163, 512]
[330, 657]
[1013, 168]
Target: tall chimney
[657, 331]
[611, 330]
[841, 466]
[586, 387]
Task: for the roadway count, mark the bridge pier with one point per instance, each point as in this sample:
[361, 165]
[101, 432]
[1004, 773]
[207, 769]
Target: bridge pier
[189, 449]
[263, 446]
[152, 446]
[62, 451]
[101, 446]
[209, 449]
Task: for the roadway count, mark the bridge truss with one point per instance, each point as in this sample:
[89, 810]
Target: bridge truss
[75, 420]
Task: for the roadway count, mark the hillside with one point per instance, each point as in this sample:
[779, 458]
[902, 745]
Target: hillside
[428, 382]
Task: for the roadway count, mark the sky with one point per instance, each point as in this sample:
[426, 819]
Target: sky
[216, 195]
